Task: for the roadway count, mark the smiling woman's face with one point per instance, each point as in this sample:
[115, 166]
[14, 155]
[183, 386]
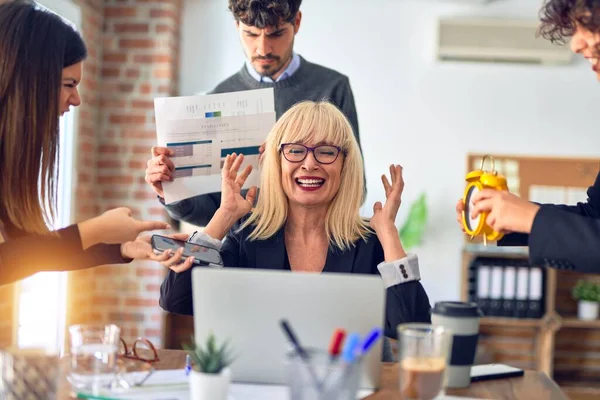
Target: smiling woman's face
[309, 183]
[587, 43]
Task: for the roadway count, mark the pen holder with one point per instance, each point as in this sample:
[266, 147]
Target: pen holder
[319, 377]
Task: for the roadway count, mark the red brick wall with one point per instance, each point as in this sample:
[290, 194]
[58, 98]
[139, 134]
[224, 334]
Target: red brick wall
[140, 61]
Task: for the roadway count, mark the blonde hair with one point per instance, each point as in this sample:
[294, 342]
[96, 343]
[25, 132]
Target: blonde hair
[317, 122]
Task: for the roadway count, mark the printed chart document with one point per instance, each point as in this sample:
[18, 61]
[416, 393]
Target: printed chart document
[202, 130]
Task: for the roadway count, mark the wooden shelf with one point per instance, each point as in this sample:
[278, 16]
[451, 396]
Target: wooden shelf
[579, 323]
[496, 251]
[516, 322]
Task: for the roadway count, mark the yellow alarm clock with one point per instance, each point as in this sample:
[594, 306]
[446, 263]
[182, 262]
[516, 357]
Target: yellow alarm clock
[476, 181]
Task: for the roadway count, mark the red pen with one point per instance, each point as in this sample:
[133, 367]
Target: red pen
[335, 345]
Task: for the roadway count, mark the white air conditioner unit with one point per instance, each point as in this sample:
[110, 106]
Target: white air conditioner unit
[496, 40]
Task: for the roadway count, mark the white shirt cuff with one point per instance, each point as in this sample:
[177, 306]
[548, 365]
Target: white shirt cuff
[400, 271]
[203, 239]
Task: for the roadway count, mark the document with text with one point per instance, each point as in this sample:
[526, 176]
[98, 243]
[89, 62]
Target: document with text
[203, 130]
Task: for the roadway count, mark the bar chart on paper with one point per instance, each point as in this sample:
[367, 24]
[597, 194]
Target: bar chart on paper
[202, 130]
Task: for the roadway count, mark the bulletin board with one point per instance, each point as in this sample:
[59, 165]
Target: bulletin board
[543, 179]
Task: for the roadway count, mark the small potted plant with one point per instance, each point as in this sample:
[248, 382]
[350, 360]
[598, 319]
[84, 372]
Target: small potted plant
[588, 296]
[210, 376]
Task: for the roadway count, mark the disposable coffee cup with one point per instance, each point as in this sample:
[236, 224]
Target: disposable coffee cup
[462, 319]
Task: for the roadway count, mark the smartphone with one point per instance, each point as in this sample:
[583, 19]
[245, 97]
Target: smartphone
[202, 255]
[494, 371]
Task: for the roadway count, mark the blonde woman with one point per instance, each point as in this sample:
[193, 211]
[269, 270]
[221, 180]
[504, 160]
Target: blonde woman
[307, 216]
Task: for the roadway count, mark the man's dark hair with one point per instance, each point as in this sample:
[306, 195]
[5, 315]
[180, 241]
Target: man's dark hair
[561, 17]
[263, 13]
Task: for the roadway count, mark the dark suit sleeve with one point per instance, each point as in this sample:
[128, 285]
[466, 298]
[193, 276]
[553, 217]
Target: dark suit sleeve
[176, 289]
[406, 302]
[565, 240]
[197, 210]
[591, 209]
[27, 255]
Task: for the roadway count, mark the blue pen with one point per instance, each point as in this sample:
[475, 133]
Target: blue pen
[370, 340]
[350, 348]
[188, 364]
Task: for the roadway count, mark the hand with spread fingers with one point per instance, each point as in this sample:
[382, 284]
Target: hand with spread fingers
[506, 211]
[383, 221]
[232, 200]
[160, 169]
[233, 205]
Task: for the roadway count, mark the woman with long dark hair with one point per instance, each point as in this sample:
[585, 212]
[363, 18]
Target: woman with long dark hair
[41, 59]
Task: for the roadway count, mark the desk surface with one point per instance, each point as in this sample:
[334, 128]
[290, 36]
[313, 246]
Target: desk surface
[533, 385]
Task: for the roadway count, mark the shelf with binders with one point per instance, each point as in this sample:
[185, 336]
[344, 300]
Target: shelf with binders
[506, 288]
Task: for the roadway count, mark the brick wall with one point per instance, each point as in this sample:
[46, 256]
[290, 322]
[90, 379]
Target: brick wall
[135, 60]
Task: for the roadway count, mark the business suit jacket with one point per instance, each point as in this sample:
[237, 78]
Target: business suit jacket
[565, 237]
[406, 302]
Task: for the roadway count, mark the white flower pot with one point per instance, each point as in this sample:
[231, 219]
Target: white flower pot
[588, 310]
[209, 386]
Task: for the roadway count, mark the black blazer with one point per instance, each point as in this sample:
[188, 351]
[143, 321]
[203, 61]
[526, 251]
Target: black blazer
[565, 237]
[405, 302]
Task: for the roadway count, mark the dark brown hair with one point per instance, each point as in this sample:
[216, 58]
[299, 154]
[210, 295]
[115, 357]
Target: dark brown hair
[560, 18]
[35, 46]
[263, 13]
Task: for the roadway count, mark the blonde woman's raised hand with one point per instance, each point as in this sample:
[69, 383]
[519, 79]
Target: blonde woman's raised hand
[232, 201]
[384, 215]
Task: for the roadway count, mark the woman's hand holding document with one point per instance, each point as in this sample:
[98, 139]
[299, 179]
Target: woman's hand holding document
[196, 133]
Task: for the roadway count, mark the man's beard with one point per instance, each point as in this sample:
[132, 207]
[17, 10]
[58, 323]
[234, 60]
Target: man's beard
[268, 71]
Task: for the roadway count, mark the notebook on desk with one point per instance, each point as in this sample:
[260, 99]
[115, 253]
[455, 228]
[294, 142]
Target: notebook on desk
[246, 306]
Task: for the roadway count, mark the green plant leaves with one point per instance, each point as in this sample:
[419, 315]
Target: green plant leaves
[586, 290]
[211, 359]
[411, 233]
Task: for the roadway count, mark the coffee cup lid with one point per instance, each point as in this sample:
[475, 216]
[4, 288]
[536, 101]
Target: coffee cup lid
[457, 309]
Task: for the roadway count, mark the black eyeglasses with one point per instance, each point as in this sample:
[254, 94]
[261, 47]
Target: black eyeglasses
[324, 154]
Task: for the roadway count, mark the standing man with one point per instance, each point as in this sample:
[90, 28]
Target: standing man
[267, 29]
[559, 236]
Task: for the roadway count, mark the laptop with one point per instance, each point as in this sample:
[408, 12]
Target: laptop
[247, 305]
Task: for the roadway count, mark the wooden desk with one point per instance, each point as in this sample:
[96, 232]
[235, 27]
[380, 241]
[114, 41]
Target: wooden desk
[534, 385]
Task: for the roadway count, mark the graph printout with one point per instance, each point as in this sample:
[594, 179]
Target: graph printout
[202, 130]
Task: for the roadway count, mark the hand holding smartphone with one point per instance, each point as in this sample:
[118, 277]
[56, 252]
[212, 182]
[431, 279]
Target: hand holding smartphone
[203, 255]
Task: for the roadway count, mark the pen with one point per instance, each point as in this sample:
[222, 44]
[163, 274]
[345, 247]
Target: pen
[287, 329]
[369, 341]
[335, 345]
[349, 352]
[188, 364]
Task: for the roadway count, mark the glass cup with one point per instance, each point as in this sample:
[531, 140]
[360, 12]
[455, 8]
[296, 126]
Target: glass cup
[93, 356]
[319, 377]
[28, 374]
[423, 352]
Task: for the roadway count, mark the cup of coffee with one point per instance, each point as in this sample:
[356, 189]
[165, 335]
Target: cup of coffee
[422, 359]
[462, 319]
